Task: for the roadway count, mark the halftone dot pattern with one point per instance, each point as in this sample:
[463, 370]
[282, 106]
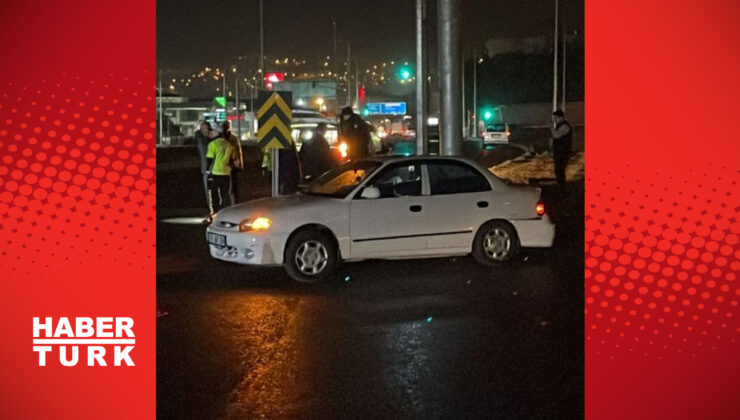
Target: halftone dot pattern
[77, 174]
[662, 259]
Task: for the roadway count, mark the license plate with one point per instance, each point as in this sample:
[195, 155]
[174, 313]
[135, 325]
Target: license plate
[216, 239]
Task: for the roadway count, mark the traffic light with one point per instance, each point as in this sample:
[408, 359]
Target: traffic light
[487, 114]
[405, 73]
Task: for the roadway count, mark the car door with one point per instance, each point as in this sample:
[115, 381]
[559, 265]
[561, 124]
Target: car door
[459, 201]
[393, 224]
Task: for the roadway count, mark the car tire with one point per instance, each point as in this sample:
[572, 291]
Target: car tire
[495, 243]
[311, 256]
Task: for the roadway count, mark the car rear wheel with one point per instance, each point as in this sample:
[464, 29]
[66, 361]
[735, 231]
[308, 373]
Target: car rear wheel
[495, 242]
[311, 256]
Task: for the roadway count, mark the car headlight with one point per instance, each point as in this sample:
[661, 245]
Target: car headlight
[257, 224]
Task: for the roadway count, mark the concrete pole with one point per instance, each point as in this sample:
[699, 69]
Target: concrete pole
[275, 159]
[555, 63]
[421, 79]
[448, 33]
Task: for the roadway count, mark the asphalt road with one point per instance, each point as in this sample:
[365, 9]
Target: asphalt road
[434, 338]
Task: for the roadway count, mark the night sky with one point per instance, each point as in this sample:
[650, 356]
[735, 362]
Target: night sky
[193, 33]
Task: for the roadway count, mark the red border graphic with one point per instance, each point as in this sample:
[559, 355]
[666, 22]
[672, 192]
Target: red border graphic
[77, 199]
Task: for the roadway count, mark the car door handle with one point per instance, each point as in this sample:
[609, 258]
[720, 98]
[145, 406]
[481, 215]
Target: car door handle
[483, 204]
[415, 208]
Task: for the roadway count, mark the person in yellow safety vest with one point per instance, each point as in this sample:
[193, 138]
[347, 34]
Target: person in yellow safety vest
[238, 164]
[221, 157]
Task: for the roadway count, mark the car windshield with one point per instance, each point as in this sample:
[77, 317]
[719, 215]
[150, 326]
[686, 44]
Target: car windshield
[341, 181]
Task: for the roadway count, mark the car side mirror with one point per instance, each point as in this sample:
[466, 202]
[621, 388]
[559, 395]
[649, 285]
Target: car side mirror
[370, 192]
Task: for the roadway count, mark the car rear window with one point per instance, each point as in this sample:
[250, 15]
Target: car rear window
[455, 178]
[496, 127]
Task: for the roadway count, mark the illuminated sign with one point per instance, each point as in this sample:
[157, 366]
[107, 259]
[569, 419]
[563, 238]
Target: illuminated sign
[385, 108]
[274, 77]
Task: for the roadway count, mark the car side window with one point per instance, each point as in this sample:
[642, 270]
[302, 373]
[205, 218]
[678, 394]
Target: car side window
[398, 181]
[455, 178]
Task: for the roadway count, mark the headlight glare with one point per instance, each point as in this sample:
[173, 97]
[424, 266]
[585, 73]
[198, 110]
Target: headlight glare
[256, 224]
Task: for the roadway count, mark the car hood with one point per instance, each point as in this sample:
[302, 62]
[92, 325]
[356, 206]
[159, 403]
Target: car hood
[270, 206]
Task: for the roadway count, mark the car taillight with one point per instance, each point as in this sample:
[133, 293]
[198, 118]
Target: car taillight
[540, 208]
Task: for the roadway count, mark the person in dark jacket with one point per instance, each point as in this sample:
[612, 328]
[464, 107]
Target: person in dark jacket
[202, 137]
[289, 170]
[315, 155]
[561, 146]
[356, 133]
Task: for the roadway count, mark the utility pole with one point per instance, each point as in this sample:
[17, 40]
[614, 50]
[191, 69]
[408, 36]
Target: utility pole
[448, 33]
[238, 120]
[161, 111]
[462, 88]
[262, 48]
[335, 62]
[349, 68]
[421, 79]
[357, 85]
[474, 119]
[555, 63]
[562, 103]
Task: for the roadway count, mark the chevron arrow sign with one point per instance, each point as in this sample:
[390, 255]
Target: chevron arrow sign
[274, 118]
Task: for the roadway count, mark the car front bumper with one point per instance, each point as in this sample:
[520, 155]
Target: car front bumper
[247, 248]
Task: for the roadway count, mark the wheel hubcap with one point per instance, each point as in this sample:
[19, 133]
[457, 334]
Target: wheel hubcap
[497, 244]
[311, 257]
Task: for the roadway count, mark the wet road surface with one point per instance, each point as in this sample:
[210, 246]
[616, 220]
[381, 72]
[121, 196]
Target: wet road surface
[434, 338]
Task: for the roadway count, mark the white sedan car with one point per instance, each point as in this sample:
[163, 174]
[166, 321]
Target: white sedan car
[385, 207]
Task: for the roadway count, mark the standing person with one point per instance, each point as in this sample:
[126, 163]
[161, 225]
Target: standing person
[289, 170]
[238, 164]
[561, 146]
[221, 157]
[202, 138]
[356, 132]
[315, 155]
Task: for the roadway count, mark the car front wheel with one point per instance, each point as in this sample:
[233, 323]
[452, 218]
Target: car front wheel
[311, 256]
[495, 242]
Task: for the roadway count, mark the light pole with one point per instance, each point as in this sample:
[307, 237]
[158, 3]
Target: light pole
[474, 120]
[236, 99]
[562, 103]
[555, 63]
[262, 48]
[448, 33]
[161, 111]
[335, 61]
[421, 79]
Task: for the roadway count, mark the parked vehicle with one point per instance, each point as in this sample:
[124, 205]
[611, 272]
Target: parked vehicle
[496, 133]
[384, 207]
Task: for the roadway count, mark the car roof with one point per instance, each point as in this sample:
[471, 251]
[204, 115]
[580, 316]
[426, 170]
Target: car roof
[396, 158]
